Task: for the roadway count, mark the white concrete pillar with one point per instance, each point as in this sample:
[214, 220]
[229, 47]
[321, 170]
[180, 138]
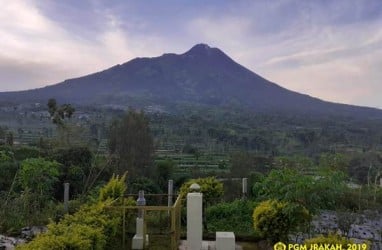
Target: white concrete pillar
[194, 221]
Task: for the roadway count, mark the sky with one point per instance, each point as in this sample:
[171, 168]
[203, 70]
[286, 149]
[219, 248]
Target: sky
[327, 49]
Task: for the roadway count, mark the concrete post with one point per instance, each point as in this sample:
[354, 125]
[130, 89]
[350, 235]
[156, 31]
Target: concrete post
[194, 219]
[170, 192]
[138, 239]
[245, 187]
[66, 197]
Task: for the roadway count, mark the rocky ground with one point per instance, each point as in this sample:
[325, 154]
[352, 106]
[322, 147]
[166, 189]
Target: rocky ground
[27, 233]
[360, 227]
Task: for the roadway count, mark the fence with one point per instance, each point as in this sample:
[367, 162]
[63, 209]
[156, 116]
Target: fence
[161, 222]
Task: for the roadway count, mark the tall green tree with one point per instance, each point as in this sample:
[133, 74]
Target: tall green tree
[130, 140]
[58, 114]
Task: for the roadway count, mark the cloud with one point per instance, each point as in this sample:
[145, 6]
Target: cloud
[33, 42]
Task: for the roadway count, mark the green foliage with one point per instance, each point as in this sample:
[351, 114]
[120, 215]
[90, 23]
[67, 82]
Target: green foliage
[38, 175]
[296, 162]
[9, 139]
[24, 210]
[274, 220]
[25, 152]
[234, 216]
[59, 113]
[77, 156]
[131, 141]
[164, 172]
[243, 163]
[334, 162]
[115, 189]
[332, 239]
[76, 163]
[146, 184]
[210, 187]
[313, 192]
[93, 226]
[8, 170]
[6, 156]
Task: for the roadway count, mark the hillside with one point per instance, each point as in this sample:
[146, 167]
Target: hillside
[203, 75]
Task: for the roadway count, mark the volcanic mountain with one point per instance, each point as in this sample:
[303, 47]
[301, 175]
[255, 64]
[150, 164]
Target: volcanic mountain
[202, 75]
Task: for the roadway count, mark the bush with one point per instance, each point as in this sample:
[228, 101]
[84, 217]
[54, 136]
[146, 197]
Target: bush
[114, 189]
[39, 175]
[211, 188]
[93, 226]
[25, 152]
[235, 216]
[313, 192]
[89, 228]
[274, 220]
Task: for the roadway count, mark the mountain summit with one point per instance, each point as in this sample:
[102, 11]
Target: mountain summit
[202, 75]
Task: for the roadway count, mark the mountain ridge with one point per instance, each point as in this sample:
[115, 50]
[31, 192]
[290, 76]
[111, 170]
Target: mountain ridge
[201, 75]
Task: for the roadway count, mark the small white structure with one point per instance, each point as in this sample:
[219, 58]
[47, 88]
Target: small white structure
[138, 239]
[194, 218]
[225, 241]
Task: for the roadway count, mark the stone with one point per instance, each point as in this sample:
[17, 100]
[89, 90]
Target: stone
[225, 241]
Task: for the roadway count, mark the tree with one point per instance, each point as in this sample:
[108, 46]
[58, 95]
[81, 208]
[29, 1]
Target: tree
[145, 184]
[131, 142]
[76, 164]
[8, 170]
[164, 171]
[9, 139]
[336, 162]
[313, 192]
[58, 114]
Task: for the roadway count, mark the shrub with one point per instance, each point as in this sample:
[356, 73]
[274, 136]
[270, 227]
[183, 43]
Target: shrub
[313, 192]
[235, 216]
[114, 189]
[211, 188]
[39, 175]
[274, 220]
[93, 226]
[90, 228]
[26, 152]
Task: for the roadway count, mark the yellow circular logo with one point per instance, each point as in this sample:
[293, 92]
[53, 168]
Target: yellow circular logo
[279, 246]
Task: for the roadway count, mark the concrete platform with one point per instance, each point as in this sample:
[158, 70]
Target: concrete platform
[206, 245]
